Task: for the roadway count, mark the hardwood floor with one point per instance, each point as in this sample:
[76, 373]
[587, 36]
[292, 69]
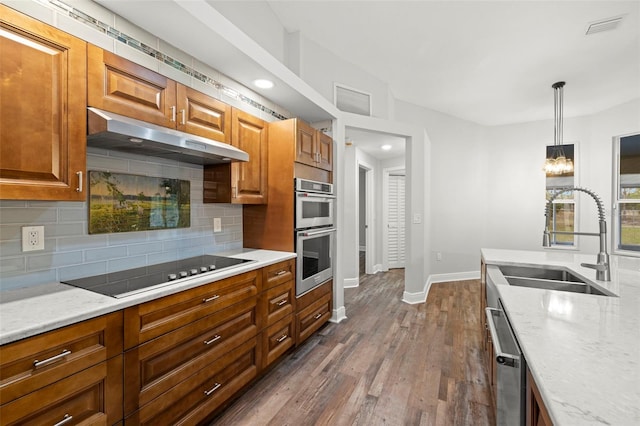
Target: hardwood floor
[389, 363]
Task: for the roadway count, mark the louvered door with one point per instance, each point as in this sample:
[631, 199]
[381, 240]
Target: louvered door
[396, 225]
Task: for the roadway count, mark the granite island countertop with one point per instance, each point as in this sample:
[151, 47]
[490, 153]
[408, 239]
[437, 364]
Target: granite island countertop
[33, 310]
[583, 350]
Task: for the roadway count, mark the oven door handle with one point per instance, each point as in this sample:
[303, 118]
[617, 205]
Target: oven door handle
[501, 357]
[314, 233]
[314, 195]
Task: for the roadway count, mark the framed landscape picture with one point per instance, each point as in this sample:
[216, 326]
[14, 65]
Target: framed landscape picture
[120, 202]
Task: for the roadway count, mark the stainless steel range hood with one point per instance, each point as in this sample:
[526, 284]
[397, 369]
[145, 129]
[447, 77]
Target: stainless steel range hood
[117, 132]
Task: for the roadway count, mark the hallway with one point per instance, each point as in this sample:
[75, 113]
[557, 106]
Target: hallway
[389, 363]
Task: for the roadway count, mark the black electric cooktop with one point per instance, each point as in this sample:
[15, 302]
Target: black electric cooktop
[133, 281]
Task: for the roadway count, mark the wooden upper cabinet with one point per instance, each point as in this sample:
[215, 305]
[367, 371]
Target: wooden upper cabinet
[305, 144]
[118, 85]
[241, 182]
[121, 86]
[250, 178]
[313, 147]
[42, 110]
[202, 115]
[325, 151]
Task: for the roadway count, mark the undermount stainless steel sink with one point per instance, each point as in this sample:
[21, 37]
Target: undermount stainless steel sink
[549, 279]
[538, 272]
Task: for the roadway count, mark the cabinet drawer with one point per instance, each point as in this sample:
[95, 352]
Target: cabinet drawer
[90, 397]
[277, 339]
[195, 398]
[38, 361]
[154, 367]
[277, 302]
[309, 319]
[152, 319]
[279, 273]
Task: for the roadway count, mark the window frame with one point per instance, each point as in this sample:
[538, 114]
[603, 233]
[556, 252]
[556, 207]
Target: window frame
[573, 200]
[616, 202]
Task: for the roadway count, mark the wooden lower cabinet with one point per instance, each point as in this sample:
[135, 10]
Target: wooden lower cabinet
[90, 397]
[313, 310]
[195, 398]
[537, 414]
[174, 360]
[154, 367]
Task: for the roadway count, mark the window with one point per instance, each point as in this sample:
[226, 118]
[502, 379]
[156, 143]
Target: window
[627, 193]
[562, 215]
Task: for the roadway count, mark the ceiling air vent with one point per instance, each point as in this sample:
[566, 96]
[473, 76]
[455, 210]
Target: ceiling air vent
[351, 100]
[604, 25]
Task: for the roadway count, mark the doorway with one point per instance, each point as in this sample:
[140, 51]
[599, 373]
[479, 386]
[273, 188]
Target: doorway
[365, 235]
[393, 218]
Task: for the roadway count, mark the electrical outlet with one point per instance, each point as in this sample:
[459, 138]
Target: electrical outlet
[439, 256]
[32, 238]
[217, 224]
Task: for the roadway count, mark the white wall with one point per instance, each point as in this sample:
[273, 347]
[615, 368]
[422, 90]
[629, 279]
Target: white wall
[257, 21]
[456, 203]
[320, 68]
[517, 184]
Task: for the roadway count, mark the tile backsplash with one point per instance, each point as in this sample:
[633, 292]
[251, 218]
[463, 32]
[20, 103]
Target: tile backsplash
[70, 252]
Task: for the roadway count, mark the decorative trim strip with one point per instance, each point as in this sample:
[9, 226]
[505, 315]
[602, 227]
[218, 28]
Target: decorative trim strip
[104, 28]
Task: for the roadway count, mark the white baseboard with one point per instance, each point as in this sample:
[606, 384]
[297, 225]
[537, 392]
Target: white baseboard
[455, 276]
[351, 282]
[338, 315]
[421, 297]
[377, 268]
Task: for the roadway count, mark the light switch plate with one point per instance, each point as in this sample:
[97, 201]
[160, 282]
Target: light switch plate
[32, 238]
[217, 224]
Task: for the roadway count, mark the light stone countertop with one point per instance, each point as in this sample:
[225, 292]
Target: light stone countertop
[583, 350]
[34, 310]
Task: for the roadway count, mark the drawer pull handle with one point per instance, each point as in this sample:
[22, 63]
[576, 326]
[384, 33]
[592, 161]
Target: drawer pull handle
[281, 272]
[282, 302]
[318, 316]
[55, 358]
[281, 338]
[215, 339]
[210, 299]
[65, 419]
[173, 114]
[213, 389]
[80, 185]
[184, 114]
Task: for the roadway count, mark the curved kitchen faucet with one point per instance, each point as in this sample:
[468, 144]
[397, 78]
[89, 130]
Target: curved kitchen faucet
[603, 271]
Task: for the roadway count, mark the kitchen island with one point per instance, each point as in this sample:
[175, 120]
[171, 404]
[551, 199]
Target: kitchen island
[583, 350]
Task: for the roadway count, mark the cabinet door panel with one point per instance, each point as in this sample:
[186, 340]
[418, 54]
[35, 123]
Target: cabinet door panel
[121, 86]
[305, 143]
[202, 115]
[325, 151]
[250, 178]
[42, 110]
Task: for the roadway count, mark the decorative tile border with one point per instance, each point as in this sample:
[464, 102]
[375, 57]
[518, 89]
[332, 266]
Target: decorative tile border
[104, 28]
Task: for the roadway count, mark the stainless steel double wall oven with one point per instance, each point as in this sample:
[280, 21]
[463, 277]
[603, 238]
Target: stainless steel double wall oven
[314, 231]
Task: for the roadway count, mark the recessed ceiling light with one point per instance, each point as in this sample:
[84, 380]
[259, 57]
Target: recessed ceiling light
[263, 83]
[386, 147]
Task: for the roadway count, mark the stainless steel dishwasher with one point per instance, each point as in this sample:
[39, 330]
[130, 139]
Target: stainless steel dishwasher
[511, 369]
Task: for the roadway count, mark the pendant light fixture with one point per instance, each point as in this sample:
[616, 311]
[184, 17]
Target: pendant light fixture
[557, 162]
